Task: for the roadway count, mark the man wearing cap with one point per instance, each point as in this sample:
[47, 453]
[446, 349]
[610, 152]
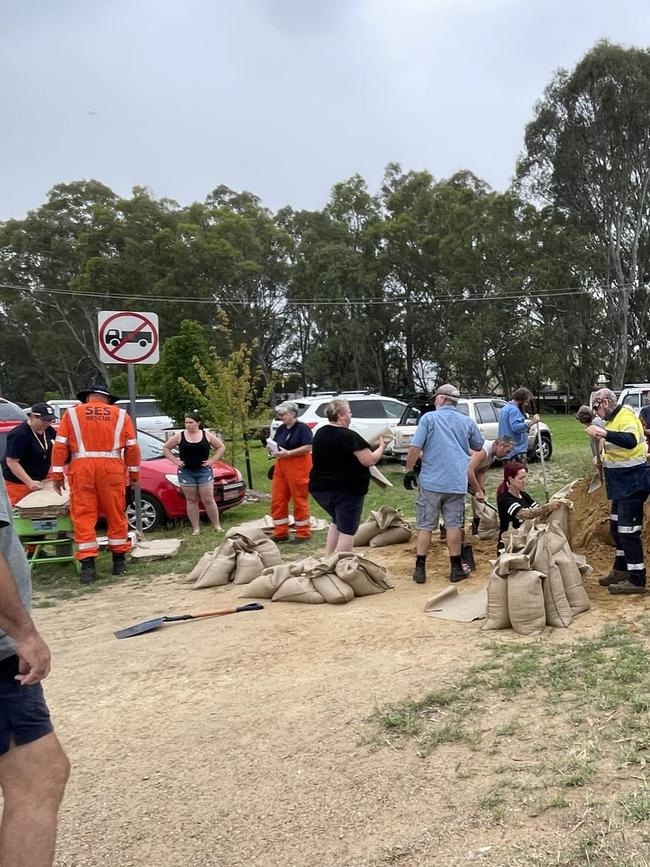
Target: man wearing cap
[101, 443]
[29, 451]
[444, 439]
[626, 479]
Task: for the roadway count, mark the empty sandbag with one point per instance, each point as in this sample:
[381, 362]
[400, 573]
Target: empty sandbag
[248, 566]
[266, 584]
[298, 588]
[393, 536]
[526, 602]
[558, 610]
[488, 522]
[217, 574]
[200, 568]
[332, 589]
[497, 603]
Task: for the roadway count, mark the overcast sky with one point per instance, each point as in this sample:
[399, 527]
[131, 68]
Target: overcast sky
[280, 97]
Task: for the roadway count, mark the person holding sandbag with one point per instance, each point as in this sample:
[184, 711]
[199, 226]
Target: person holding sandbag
[515, 504]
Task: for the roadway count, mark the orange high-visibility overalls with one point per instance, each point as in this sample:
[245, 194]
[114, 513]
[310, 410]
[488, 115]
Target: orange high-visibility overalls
[99, 438]
[290, 482]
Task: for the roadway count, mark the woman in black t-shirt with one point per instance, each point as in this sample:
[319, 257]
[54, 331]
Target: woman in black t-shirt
[340, 476]
[515, 503]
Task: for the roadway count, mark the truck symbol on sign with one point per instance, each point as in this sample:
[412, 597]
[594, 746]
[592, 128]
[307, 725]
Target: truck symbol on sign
[114, 337]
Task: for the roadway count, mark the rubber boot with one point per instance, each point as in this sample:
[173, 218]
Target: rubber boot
[119, 564]
[614, 576]
[87, 574]
[419, 573]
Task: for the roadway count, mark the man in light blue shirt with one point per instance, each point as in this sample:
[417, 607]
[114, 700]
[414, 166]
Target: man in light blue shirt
[444, 440]
[513, 424]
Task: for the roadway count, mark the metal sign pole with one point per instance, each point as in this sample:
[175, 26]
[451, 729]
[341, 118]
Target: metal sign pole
[136, 487]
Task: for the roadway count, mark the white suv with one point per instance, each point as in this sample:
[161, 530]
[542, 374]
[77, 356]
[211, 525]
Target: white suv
[371, 413]
[149, 416]
[485, 412]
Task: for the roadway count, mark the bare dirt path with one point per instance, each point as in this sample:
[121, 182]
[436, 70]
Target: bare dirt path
[245, 739]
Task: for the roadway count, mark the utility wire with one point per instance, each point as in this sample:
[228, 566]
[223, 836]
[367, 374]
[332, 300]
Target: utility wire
[453, 297]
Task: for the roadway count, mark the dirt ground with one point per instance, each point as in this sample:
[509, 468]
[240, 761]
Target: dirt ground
[246, 739]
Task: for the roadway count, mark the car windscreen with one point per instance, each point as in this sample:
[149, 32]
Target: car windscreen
[150, 447]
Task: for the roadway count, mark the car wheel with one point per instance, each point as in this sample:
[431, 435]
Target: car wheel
[547, 448]
[153, 514]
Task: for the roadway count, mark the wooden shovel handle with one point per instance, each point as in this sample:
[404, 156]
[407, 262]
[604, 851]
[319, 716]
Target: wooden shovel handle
[253, 606]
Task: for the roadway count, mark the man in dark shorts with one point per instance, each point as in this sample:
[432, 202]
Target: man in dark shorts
[33, 767]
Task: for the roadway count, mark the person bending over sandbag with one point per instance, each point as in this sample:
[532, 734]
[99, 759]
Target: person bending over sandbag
[515, 504]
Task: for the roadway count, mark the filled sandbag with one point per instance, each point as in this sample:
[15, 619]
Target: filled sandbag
[583, 567]
[200, 568]
[572, 580]
[488, 522]
[375, 572]
[367, 531]
[363, 581]
[508, 563]
[266, 584]
[298, 588]
[268, 552]
[217, 574]
[393, 536]
[558, 610]
[526, 602]
[251, 534]
[248, 566]
[332, 589]
[497, 616]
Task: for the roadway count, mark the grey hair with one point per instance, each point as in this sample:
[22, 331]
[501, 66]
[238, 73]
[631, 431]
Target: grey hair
[334, 408]
[605, 394]
[288, 406]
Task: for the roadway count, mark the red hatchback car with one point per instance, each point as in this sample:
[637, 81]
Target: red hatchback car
[162, 497]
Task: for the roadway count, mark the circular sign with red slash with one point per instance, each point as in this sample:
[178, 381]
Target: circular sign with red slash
[128, 337]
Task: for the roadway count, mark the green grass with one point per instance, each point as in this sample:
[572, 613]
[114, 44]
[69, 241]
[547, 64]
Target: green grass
[571, 459]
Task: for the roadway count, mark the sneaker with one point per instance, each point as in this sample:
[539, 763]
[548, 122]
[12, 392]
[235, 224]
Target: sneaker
[119, 564]
[459, 573]
[626, 587]
[87, 574]
[614, 576]
[420, 572]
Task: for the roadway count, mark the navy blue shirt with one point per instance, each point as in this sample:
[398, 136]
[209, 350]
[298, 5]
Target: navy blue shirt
[293, 437]
[26, 447]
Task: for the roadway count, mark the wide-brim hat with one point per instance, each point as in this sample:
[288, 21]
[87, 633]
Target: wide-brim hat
[96, 388]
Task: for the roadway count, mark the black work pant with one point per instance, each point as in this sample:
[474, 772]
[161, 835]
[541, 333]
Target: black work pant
[626, 524]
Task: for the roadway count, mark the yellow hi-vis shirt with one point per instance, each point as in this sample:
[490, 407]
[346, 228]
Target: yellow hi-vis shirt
[626, 470]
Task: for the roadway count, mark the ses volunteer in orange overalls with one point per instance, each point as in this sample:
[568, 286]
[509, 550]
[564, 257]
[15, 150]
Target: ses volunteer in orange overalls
[292, 452]
[100, 440]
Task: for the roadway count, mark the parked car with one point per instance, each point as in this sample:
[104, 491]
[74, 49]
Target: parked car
[371, 413]
[149, 416]
[162, 497]
[60, 407]
[633, 395]
[485, 412]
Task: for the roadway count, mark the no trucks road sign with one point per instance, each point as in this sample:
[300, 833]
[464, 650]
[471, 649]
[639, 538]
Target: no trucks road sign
[127, 337]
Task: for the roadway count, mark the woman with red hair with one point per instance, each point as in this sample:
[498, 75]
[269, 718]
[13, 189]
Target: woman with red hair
[515, 503]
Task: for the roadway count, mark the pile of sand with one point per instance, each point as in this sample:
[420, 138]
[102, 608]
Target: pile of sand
[589, 521]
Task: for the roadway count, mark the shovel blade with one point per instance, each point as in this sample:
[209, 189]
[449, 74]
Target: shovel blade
[140, 628]
[594, 484]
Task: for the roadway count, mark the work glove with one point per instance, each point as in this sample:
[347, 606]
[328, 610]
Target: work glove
[410, 480]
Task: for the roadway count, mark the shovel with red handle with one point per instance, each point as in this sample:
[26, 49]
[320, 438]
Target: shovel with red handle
[157, 622]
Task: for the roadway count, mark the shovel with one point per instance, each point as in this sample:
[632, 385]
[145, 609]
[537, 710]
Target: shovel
[597, 480]
[540, 446]
[156, 623]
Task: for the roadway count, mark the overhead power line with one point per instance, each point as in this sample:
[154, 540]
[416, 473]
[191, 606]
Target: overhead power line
[457, 296]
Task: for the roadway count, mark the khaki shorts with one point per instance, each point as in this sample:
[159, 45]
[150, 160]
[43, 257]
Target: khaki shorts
[429, 506]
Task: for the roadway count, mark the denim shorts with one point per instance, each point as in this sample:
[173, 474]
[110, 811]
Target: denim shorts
[344, 509]
[430, 504]
[24, 716]
[192, 478]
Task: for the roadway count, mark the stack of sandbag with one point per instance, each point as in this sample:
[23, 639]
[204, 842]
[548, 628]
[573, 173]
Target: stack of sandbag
[335, 579]
[45, 503]
[383, 527]
[536, 582]
[241, 557]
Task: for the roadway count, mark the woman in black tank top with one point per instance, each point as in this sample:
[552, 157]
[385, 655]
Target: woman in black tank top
[195, 475]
